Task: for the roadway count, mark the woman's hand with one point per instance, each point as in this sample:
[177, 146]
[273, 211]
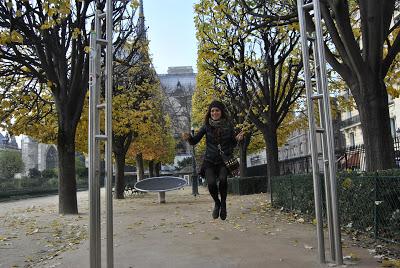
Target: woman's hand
[185, 136]
[239, 136]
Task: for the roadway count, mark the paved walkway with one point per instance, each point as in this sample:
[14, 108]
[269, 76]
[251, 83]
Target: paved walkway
[180, 233]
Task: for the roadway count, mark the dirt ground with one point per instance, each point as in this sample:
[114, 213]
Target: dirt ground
[179, 233]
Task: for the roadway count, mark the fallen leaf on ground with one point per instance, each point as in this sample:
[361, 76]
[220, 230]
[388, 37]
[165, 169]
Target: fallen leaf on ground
[351, 257]
[391, 263]
[32, 231]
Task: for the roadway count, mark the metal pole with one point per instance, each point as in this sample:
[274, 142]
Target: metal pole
[329, 134]
[312, 133]
[95, 138]
[98, 142]
[324, 146]
[376, 207]
[94, 189]
[195, 181]
[109, 167]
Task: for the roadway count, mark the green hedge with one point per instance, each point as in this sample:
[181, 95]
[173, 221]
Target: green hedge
[368, 202]
[293, 192]
[27, 186]
[247, 185]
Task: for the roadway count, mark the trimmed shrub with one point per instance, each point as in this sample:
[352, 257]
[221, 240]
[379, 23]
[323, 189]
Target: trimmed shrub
[247, 185]
[10, 163]
[34, 173]
[368, 202]
[50, 173]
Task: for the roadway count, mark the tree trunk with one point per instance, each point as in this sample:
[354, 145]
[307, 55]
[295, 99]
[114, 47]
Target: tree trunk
[157, 168]
[119, 175]
[66, 170]
[139, 167]
[151, 168]
[375, 124]
[243, 155]
[271, 142]
[120, 148]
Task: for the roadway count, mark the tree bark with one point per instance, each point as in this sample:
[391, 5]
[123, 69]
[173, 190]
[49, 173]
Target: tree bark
[120, 148]
[66, 170]
[271, 142]
[364, 67]
[243, 155]
[119, 175]
[157, 168]
[139, 167]
[375, 124]
[151, 168]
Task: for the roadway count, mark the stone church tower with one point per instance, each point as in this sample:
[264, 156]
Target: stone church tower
[178, 85]
[38, 155]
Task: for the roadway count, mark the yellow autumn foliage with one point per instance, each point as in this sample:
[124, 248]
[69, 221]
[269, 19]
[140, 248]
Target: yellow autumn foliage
[31, 115]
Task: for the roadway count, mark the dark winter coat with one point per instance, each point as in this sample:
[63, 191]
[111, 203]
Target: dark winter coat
[214, 136]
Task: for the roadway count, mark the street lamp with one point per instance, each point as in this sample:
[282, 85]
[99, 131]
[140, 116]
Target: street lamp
[195, 181]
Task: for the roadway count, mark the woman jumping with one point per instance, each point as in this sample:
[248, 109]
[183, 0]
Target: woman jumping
[219, 131]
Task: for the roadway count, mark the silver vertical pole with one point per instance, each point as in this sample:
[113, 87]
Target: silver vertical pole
[94, 189]
[98, 142]
[329, 133]
[312, 133]
[325, 157]
[95, 138]
[108, 118]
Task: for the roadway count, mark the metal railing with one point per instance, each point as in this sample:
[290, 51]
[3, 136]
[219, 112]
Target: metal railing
[350, 121]
[368, 204]
[349, 158]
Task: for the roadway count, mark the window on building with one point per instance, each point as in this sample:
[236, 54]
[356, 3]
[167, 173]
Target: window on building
[347, 96]
[51, 158]
[393, 126]
[349, 114]
[352, 139]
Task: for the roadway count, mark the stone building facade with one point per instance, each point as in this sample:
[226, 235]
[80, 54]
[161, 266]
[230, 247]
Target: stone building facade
[7, 142]
[178, 85]
[37, 155]
[295, 154]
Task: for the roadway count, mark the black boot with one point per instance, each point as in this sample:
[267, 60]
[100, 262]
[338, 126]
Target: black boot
[222, 213]
[215, 213]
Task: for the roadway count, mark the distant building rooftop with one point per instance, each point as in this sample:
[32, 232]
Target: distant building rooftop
[178, 76]
[7, 142]
[180, 70]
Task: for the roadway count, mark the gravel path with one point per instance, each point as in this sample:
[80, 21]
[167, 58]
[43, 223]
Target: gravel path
[180, 233]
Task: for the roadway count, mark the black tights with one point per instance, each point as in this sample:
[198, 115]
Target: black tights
[212, 174]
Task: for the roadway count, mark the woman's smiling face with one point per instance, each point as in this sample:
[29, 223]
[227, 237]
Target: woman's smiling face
[215, 113]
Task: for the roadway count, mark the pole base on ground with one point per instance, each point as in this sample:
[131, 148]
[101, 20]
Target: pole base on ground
[161, 197]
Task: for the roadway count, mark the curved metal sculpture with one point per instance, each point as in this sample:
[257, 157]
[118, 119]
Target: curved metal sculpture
[160, 185]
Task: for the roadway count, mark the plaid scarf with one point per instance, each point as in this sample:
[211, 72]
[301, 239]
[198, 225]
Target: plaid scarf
[217, 123]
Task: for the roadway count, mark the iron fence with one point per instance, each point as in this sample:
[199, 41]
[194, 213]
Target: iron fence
[369, 204]
[349, 158]
[298, 165]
